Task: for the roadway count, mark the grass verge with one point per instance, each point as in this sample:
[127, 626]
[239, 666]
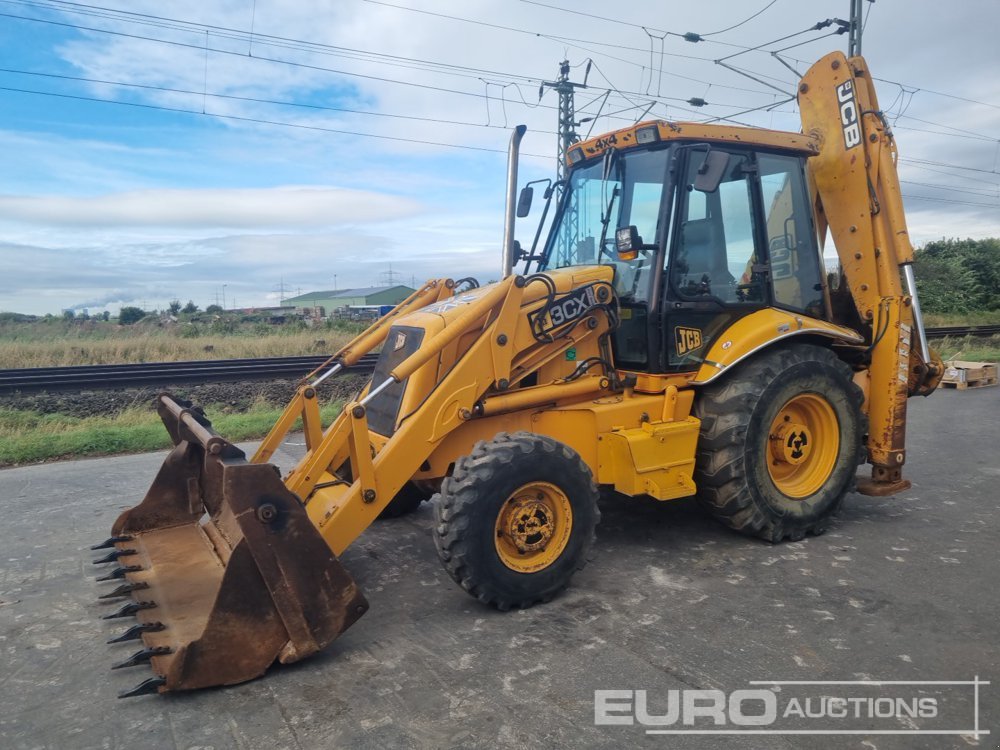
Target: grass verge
[968, 349]
[31, 437]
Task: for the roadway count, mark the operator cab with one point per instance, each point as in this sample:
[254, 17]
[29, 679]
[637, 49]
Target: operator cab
[699, 234]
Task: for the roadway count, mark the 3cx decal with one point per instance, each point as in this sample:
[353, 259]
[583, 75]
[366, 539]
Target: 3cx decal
[686, 339]
[568, 308]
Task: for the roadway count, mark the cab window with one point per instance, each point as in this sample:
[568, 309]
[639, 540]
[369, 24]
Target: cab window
[716, 247]
[795, 263]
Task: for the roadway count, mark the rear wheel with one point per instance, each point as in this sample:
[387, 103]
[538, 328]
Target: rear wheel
[779, 444]
[407, 500]
[516, 519]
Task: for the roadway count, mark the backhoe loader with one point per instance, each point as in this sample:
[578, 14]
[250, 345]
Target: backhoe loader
[677, 334]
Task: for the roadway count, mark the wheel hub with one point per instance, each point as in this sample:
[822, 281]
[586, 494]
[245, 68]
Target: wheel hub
[530, 524]
[792, 443]
[803, 445]
[533, 527]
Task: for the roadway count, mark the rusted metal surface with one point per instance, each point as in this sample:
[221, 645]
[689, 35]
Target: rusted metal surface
[230, 573]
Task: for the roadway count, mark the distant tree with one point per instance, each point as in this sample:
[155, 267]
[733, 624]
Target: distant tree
[106, 316]
[69, 314]
[959, 276]
[129, 315]
[190, 308]
[214, 309]
[174, 307]
[84, 315]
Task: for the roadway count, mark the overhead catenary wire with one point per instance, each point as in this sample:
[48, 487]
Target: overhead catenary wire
[434, 66]
[258, 100]
[741, 23]
[263, 121]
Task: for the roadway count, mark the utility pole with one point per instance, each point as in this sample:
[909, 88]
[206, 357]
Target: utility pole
[280, 289]
[857, 26]
[567, 136]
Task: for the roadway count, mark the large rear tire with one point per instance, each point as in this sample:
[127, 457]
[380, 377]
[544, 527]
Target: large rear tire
[407, 500]
[779, 444]
[516, 519]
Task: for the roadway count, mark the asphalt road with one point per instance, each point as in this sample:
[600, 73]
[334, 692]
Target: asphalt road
[900, 588]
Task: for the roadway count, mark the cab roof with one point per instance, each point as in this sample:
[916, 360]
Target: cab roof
[653, 131]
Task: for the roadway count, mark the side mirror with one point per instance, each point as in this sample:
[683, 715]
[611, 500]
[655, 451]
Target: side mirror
[524, 201]
[627, 242]
[711, 171]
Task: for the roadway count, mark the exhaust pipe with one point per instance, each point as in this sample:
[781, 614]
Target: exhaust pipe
[508, 225]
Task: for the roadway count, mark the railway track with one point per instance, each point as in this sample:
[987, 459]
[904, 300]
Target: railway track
[201, 371]
[88, 377]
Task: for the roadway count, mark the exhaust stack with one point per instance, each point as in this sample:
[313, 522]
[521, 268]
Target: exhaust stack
[508, 225]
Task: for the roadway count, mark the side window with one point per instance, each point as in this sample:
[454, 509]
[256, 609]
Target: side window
[715, 249]
[796, 267]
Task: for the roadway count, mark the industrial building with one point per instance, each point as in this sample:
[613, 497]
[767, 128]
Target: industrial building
[337, 299]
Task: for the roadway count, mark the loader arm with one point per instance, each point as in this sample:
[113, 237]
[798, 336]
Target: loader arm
[305, 405]
[355, 472]
[858, 196]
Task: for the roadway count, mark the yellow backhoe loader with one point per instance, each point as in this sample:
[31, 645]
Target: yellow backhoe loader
[676, 334]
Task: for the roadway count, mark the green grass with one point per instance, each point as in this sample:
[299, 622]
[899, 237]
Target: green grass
[968, 349]
[31, 437]
[940, 320]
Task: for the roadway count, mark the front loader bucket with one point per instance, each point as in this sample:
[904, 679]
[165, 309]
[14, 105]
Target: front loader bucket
[221, 567]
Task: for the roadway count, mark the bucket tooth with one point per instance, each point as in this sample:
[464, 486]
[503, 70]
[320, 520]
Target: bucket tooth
[143, 657]
[113, 555]
[120, 572]
[112, 541]
[124, 590]
[129, 609]
[135, 632]
[146, 687]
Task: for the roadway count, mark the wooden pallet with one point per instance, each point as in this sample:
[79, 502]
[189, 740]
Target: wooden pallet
[963, 375]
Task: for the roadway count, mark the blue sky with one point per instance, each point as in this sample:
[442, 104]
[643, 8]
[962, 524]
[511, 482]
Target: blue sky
[104, 204]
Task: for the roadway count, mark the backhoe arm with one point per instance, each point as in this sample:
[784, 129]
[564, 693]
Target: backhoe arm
[858, 197]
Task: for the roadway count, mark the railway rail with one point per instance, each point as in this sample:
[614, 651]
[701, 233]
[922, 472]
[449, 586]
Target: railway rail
[86, 377]
[89, 377]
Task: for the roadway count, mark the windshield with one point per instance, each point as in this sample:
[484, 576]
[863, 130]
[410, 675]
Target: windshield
[620, 190]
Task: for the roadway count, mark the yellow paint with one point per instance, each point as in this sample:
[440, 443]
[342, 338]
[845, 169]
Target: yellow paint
[803, 445]
[760, 329]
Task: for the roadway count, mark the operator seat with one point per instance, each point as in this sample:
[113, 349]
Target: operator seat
[702, 262]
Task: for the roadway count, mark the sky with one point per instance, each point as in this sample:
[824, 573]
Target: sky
[226, 150]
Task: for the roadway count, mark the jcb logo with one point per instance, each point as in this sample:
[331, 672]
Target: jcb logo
[686, 339]
[849, 114]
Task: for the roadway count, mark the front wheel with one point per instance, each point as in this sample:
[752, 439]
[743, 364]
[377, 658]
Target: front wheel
[516, 519]
[779, 444]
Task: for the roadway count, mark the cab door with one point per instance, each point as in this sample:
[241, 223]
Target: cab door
[717, 268]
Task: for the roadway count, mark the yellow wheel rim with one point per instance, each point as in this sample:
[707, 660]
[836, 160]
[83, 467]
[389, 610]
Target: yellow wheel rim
[803, 445]
[533, 527]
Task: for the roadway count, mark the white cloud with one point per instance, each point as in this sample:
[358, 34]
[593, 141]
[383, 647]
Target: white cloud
[306, 206]
[179, 209]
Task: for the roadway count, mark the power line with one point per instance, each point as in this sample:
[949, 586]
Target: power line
[986, 193]
[946, 200]
[937, 93]
[746, 20]
[278, 41]
[255, 100]
[261, 121]
[911, 160]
